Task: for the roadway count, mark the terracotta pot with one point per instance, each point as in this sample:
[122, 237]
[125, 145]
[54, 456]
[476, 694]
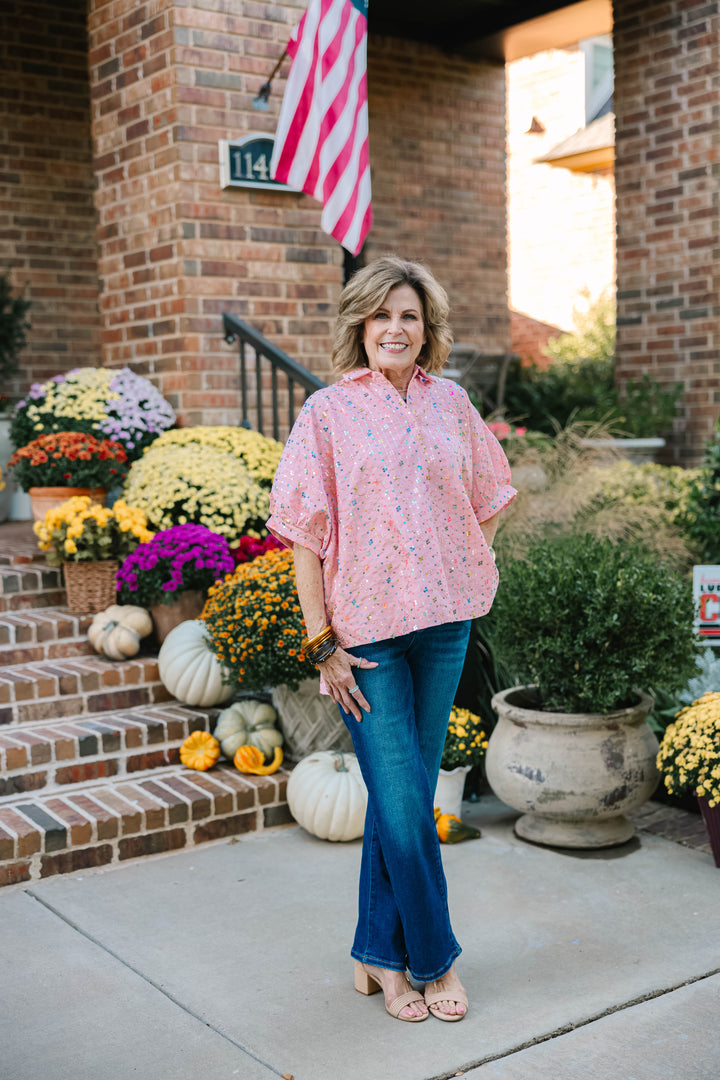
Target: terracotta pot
[574, 775]
[44, 498]
[165, 617]
[449, 789]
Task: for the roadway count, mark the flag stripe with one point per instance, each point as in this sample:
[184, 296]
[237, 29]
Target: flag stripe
[321, 144]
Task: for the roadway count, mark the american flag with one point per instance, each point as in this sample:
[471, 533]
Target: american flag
[321, 143]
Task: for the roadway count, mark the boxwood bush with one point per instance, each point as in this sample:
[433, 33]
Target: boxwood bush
[589, 621]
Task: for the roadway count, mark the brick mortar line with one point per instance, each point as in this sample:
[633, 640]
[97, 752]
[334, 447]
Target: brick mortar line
[151, 982]
[566, 1029]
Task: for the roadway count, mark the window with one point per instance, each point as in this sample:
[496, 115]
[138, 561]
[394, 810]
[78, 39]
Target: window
[599, 76]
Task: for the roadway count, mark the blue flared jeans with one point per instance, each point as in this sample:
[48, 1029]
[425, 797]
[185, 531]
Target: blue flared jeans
[403, 918]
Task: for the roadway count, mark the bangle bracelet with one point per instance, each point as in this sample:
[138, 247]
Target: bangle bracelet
[325, 635]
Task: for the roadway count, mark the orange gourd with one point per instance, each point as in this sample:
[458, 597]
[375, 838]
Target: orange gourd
[452, 830]
[200, 751]
[249, 759]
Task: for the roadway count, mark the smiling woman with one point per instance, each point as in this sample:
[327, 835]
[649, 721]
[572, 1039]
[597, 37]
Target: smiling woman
[389, 490]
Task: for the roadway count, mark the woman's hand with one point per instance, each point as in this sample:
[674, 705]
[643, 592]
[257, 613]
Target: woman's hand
[339, 677]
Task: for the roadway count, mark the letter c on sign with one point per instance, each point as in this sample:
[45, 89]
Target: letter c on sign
[705, 601]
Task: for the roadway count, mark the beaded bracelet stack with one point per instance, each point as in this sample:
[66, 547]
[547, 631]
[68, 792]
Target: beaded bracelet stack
[321, 647]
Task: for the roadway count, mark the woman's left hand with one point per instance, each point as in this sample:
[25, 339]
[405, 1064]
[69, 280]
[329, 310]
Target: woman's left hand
[340, 680]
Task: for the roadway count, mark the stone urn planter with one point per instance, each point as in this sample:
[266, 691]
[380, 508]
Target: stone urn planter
[574, 776]
[638, 451]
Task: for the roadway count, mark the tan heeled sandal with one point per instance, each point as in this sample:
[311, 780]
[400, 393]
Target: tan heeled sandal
[432, 997]
[365, 983]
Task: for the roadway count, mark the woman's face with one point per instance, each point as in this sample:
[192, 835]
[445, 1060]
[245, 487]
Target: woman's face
[394, 334]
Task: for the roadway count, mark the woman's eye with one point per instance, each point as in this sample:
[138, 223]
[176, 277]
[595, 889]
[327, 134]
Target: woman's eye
[410, 315]
[381, 315]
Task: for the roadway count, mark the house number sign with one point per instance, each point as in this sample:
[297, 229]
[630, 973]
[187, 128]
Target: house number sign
[246, 163]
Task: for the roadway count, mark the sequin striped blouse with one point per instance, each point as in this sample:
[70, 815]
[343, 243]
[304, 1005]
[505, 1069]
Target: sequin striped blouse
[389, 493]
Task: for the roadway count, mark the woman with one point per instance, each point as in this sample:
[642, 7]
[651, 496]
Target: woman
[389, 491]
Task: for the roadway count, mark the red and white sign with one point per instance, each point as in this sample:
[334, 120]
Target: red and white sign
[706, 587]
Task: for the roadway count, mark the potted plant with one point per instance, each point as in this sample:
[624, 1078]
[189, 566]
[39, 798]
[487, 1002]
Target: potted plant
[585, 624]
[171, 573]
[88, 540]
[55, 467]
[109, 404]
[689, 759]
[256, 626]
[465, 746]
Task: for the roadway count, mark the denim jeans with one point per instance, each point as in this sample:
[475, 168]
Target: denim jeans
[403, 919]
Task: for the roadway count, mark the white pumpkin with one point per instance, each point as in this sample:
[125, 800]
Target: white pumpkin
[327, 795]
[189, 668]
[117, 631]
[248, 723]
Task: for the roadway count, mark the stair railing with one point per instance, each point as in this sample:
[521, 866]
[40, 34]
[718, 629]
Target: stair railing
[258, 359]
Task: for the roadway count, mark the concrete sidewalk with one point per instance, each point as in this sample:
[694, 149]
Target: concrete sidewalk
[232, 961]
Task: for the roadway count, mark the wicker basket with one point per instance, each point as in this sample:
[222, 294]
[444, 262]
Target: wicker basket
[309, 720]
[90, 586]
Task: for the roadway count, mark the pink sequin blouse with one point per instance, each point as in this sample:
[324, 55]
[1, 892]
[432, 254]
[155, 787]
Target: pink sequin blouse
[389, 495]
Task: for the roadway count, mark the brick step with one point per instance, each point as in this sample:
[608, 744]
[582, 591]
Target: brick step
[19, 545]
[30, 586]
[60, 688]
[42, 634]
[106, 823]
[56, 756]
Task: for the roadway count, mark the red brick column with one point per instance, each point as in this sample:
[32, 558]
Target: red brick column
[667, 98]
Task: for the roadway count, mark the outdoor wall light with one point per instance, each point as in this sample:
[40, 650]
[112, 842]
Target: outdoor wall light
[261, 102]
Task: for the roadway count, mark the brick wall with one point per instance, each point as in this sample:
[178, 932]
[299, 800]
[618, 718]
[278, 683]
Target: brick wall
[169, 81]
[47, 218]
[437, 145]
[667, 98]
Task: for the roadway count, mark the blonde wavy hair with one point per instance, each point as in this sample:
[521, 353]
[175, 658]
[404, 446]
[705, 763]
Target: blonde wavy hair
[366, 292]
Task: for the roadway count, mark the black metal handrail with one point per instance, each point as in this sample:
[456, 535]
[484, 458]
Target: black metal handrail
[250, 339]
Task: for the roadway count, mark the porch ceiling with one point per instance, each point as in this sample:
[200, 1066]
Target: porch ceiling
[497, 29]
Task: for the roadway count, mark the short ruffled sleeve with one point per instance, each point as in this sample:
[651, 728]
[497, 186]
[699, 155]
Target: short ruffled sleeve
[491, 487]
[302, 501]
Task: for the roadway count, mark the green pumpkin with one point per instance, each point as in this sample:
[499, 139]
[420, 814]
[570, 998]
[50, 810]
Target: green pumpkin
[248, 723]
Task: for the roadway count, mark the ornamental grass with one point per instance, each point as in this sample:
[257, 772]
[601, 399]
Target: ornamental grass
[119, 405]
[80, 529]
[465, 742]
[69, 459]
[689, 756]
[173, 561]
[256, 626]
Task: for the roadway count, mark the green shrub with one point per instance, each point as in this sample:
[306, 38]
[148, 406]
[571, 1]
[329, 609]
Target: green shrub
[12, 330]
[589, 621]
[580, 383]
[702, 518]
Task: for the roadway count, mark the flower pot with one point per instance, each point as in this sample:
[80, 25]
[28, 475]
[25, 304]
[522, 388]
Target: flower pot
[574, 775]
[44, 498]
[711, 817]
[449, 789]
[90, 586]
[638, 451]
[165, 617]
[309, 720]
